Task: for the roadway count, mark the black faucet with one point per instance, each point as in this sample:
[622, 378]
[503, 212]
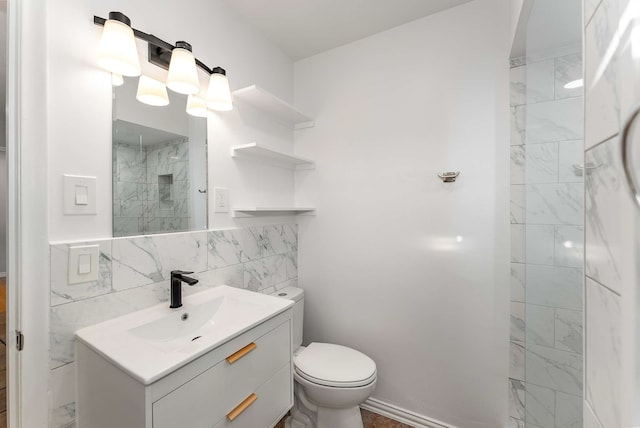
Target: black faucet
[177, 278]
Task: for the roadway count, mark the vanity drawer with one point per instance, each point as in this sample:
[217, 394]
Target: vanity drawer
[207, 398]
[271, 401]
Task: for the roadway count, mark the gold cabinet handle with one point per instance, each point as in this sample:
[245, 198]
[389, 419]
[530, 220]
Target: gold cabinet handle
[242, 407]
[241, 353]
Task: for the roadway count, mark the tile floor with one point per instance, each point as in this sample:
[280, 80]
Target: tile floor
[370, 420]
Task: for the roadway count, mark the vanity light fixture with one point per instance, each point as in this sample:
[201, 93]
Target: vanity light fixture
[183, 75]
[152, 92]
[197, 106]
[179, 60]
[218, 94]
[117, 52]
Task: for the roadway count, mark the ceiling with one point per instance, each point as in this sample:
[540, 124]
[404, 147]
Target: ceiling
[547, 25]
[302, 28]
[133, 133]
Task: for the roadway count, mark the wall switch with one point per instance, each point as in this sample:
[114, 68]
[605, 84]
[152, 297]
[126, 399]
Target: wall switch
[84, 262]
[79, 195]
[221, 200]
[82, 195]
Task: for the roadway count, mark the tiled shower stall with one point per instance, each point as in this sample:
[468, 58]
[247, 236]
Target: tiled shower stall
[151, 188]
[547, 172]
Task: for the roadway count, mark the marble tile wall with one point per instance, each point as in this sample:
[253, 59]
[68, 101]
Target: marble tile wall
[547, 243]
[134, 274]
[129, 179]
[612, 221]
[138, 197]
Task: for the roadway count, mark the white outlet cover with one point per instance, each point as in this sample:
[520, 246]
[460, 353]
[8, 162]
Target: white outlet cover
[84, 263]
[221, 200]
[79, 195]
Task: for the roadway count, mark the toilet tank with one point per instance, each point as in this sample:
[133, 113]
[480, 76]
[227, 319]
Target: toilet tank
[297, 295]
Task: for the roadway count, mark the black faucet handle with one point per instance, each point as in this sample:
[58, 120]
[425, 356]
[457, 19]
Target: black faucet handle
[180, 272]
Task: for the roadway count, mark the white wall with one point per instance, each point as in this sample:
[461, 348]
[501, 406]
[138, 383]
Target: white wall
[79, 109]
[3, 72]
[381, 264]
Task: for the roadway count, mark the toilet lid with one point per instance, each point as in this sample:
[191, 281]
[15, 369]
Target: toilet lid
[335, 365]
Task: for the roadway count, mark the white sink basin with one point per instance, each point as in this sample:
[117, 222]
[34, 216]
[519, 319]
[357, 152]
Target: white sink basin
[153, 342]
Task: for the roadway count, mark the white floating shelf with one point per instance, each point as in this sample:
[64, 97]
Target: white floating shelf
[280, 109]
[258, 211]
[260, 152]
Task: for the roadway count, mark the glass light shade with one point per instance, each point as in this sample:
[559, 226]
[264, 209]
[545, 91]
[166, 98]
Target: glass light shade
[219, 95]
[117, 79]
[117, 52]
[197, 106]
[152, 92]
[183, 75]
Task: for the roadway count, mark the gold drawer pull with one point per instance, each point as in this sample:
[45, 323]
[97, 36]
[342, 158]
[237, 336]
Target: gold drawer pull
[242, 406]
[241, 353]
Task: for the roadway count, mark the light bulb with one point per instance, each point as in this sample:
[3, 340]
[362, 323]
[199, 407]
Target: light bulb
[117, 52]
[183, 75]
[197, 106]
[218, 94]
[152, 92]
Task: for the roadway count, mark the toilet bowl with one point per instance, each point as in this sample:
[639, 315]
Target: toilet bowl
[331, 381]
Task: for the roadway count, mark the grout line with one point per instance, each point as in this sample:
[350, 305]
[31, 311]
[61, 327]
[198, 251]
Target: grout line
[606, 140]
[593, 14]
[602, 285]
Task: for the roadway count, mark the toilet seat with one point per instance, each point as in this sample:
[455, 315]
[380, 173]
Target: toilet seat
[333, 365]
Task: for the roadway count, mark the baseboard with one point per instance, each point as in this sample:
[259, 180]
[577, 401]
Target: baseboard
[402, 415]
[3, 274]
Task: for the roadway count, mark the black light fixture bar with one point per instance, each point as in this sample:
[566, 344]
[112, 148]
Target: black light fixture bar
[159, 50]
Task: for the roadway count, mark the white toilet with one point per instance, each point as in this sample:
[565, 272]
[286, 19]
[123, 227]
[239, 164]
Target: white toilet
[331, 381]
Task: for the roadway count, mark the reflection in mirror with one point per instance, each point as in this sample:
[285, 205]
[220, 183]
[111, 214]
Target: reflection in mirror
[159, 165]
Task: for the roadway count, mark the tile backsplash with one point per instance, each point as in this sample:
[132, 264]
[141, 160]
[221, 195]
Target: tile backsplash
[134, 274]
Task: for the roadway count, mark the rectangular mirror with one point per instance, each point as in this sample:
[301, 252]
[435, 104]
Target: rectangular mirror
[159, 165]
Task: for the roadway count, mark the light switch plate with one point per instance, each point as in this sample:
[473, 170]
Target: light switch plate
[84, 263]
[221, 200]
[79, 195]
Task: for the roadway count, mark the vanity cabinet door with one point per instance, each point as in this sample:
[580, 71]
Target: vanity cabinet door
[272, 400]
[207, 398]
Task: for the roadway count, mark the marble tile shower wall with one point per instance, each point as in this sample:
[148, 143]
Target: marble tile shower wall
[142, 204]
[547, 234]
[134, 274]
[611, 276]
